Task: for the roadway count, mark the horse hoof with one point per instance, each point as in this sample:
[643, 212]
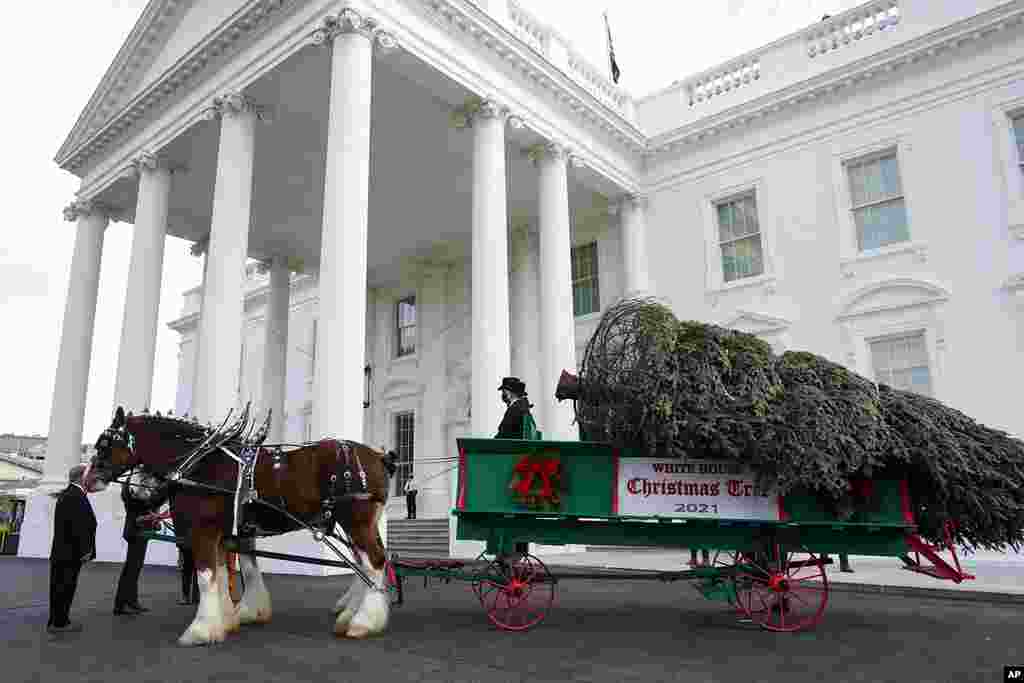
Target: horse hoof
[191, 638]
[357, 632]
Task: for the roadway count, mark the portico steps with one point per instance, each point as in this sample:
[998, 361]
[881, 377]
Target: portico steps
[418, 538]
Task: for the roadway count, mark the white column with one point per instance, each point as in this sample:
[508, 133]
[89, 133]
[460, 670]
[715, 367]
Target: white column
[201, 249]
[432, 311]
[275, 348]
[220, 333]
[341, 354]
[133, 386]
[557, 324]
[525, 312]
[67, 410]
[633, 220]
[491, 355]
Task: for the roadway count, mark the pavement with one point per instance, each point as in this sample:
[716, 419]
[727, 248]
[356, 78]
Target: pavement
[999, 577]
[598, 632]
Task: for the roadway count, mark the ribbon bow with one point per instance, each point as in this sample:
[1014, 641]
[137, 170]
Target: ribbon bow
[527, 469]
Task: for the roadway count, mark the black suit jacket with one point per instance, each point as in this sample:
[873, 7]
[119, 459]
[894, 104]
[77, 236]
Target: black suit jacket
[74, 527]
[511, 426]
[133, 509]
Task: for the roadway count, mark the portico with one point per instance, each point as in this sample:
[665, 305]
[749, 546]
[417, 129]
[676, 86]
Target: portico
[335, 145]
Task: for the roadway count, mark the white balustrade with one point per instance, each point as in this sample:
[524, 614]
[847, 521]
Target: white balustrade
[724, 79]
[850, 27]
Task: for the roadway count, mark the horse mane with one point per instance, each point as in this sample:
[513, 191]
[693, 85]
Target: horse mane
[170, 427]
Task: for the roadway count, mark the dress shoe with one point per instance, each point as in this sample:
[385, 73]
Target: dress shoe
[69, 627]
[122, 610]
[137, 607]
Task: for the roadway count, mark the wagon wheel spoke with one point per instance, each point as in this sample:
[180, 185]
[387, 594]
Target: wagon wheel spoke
[517, 595]
[782, 592]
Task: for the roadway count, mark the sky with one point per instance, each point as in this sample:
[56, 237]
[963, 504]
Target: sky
[51, 71]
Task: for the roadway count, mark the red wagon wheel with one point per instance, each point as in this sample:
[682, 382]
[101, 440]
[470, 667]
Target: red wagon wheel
[729, 559]
[784, 590]
[516, 595]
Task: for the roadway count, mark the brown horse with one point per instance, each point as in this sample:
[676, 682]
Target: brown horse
[316, 485]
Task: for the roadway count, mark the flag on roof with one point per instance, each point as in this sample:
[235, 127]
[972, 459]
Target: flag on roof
[611, 51]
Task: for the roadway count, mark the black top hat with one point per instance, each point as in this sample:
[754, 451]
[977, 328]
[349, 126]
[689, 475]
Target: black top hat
[513, 384]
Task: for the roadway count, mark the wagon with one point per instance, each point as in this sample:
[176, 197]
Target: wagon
[770, 551]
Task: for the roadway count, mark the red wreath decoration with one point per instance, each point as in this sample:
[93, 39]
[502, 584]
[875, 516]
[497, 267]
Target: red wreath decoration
[537, 482]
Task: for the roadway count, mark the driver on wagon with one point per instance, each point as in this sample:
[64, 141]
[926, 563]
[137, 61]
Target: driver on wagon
[513, 393]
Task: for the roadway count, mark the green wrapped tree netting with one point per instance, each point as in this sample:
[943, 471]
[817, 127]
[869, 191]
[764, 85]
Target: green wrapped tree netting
[677, 388]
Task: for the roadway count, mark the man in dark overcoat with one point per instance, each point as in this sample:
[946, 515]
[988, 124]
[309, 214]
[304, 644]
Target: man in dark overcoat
[74, 543]
[513, 393]
[187, 561]
[126, 600]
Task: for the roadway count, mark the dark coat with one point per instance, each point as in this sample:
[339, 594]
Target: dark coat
[74, 527]
[133, 509]
[511, 426]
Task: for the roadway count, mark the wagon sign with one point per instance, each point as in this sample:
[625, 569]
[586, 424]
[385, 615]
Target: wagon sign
[655, 487]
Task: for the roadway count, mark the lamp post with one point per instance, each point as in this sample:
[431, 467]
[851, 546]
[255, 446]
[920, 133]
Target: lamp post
[367, 374]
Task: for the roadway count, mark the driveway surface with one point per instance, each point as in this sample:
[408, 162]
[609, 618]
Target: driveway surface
[599, 631]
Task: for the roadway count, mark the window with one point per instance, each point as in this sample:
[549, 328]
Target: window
[586, 298]
[405, 326]
[404, 440]
[902, 363]
[739, 237]
[1018, 136]
[876, 201]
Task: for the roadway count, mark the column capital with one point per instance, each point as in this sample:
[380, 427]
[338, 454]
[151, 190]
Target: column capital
[199, 247]
[149, 161]
[547, 151]
[235, 104]
[630, 202]
[483, 108]
[80, 208]
[351, 20]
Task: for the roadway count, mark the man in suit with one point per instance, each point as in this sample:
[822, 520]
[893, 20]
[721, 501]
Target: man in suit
[126, 600]
[513, 393]
[186, 560]
[74, 543]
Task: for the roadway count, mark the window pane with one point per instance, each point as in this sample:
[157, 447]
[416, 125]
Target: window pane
[585, 294]
[724, 222]
[881, 224]
[742, 258]
[751, 210]
[890, 177]
[902, 363]
[875, 180]
[404, 442]
[858, 193]
[1018, 134]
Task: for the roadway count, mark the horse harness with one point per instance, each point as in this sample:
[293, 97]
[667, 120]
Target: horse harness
[346, 482]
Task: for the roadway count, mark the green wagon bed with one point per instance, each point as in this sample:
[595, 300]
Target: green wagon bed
[770, 550]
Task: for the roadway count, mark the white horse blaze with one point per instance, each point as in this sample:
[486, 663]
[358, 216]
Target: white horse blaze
[209, 623]
[255, 605]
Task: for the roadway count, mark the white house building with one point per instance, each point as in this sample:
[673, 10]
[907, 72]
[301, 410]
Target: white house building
[443, 192]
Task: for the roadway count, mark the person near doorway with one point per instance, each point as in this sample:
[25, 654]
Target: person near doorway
[410, 498]
[126, 600]
[74, 544]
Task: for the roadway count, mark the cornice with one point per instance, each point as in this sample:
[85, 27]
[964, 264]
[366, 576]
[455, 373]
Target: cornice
[881, 63]
[496, 38]
[250, 19]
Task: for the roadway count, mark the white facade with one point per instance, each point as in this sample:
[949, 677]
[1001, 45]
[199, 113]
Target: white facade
[855, 189]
